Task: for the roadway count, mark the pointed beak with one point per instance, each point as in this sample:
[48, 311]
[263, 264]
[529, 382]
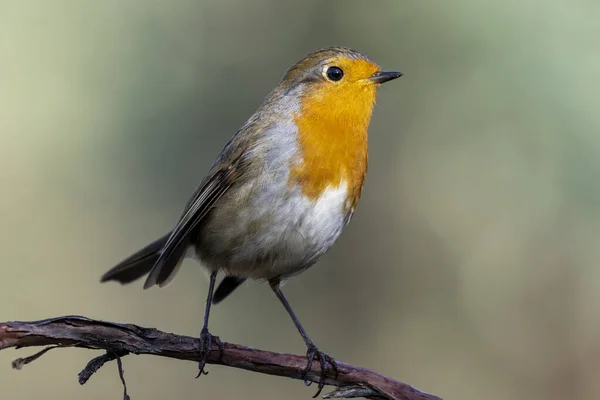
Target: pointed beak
[384, 76]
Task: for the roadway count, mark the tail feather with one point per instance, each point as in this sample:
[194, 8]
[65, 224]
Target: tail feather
[227, 285]
[138, 264]
[143, 262]
[163, 273]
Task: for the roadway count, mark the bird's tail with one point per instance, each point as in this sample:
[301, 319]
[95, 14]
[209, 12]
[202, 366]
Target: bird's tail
[138, 264]
[227, 285]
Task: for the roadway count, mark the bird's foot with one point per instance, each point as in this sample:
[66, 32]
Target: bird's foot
[313, 352]
[206, 340]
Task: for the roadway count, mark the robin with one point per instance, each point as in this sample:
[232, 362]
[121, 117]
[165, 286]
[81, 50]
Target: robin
[280, 192]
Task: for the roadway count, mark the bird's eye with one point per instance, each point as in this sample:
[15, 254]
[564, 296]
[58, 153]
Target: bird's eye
[334, 73]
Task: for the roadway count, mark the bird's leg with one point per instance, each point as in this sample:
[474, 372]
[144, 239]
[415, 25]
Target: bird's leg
[312, 351]
[205, 337]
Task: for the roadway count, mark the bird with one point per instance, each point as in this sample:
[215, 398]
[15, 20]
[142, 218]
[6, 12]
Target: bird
[280, 192]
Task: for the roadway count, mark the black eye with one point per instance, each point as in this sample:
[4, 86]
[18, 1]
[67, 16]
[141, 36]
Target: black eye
[334, 73]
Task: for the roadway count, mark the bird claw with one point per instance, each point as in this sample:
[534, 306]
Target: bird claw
[206, 340]
[311, 353]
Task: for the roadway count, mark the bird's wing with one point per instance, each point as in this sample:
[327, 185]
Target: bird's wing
[228, 168]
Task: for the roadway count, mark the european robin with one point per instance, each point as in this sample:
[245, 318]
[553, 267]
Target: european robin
[280, 192]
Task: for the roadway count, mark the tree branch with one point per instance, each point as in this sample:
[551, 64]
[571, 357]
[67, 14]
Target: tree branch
[118, 340]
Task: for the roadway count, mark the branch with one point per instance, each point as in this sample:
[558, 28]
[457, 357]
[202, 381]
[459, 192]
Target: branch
[118, 340]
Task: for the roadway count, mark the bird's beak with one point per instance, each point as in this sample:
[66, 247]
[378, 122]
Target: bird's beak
[384, 76]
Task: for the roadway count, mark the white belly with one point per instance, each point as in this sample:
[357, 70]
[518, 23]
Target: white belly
[273, 235]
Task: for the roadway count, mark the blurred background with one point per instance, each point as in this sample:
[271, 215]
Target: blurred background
[470, 269]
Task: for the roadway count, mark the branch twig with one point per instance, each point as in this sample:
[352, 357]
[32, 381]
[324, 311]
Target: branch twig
[118, 340]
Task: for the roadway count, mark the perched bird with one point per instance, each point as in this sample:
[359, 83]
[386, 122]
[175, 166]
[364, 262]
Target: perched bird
[281, 191]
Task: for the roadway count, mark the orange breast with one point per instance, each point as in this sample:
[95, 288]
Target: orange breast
[332, 127]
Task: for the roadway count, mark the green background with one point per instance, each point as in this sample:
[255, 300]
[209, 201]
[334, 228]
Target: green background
[470, 269]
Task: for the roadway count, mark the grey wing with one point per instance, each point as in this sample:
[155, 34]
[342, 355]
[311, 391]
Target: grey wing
[220, 179]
